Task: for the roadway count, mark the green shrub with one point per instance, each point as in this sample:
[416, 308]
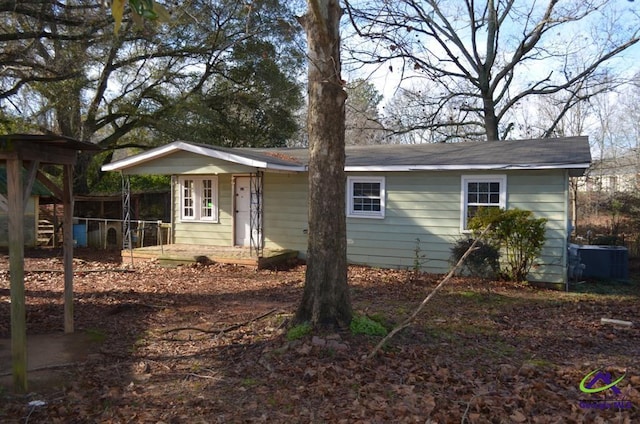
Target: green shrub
[483, 262]
[299, 331]
[361, 324]
[517, 233]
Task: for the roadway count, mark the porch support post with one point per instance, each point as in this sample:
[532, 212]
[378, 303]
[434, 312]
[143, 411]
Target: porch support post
[67, 247]
[126, 212]
[255, 213]
[15, 195]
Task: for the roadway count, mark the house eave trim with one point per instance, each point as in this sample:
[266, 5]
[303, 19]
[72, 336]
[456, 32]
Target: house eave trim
[399, 168]
[199, 150]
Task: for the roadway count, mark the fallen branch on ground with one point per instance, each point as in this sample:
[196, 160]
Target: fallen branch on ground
[223, 330]
[404, 324]
[211, 377]
[45, 367]
[60, 271]
[616, 322]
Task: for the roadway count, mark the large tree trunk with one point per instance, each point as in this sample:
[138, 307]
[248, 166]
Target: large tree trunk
[490, 119]
[81, 173]
[325, 302]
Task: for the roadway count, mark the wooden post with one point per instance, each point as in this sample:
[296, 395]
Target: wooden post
[55, 224]
[67, 247]
[16, 269]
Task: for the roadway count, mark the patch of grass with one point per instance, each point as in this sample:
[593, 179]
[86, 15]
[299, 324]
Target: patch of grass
[614, 288]
[501, 349]
[539, 362]
[249, 382]
[279, 319]
[361, 324]
[450, 330]
[327, 353]
[402, 310]
[377, 317]
[485, 298]
[439, 334]
[96, 335]
[299, 331]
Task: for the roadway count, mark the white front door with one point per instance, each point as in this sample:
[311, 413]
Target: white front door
[242, 215]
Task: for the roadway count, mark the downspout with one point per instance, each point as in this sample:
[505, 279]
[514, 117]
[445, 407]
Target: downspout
[565, 251]
[172, 213]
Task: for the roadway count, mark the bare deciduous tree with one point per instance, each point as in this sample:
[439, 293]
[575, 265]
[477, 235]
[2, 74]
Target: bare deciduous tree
[488, 57]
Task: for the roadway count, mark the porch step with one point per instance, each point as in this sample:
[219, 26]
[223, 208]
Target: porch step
[171, 256]
[46, 229]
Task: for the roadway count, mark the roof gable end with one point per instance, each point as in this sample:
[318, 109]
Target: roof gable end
[252, 159]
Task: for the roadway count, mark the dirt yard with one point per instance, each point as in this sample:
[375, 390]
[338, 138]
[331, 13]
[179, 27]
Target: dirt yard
[207, 344]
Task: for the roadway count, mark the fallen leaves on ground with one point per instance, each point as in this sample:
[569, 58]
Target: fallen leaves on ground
[171, 349]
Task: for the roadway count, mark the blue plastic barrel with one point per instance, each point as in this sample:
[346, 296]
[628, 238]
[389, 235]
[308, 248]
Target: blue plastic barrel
[80, 235]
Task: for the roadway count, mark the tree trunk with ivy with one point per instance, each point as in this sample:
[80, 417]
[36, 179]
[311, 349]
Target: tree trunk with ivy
[325, 302]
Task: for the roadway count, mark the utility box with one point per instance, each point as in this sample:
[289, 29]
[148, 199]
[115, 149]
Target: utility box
[604, 262]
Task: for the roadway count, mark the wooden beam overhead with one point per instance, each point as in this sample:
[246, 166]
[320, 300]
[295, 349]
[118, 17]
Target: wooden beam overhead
[47, 154]
[53, 188]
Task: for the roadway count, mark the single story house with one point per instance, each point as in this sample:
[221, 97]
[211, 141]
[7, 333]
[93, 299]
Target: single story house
[399, 197]
[611, 175]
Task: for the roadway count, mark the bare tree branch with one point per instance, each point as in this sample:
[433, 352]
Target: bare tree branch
[490, 50]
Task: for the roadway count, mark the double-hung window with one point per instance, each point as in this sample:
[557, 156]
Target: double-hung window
[482, 191]
[198, 198]
[365, 197]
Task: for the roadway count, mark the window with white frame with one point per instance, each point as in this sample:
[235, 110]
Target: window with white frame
[365, 197]
[198, 198]
[482, 191]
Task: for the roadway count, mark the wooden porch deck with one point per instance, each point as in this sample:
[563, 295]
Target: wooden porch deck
[182, 254]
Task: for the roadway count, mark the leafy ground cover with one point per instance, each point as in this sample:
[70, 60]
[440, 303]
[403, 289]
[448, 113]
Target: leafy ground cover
[208, 343]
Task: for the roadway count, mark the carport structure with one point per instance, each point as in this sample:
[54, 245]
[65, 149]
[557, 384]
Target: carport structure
[31, 151]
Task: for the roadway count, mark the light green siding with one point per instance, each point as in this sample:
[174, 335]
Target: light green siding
[546, 194]
[422, 218]
[422, 213]
[181, 162]
[206, 233]
[285, 211]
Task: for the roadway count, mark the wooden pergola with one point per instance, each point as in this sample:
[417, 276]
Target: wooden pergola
[30, 151]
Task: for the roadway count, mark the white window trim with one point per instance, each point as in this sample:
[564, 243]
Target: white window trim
[365, 214]
[501, 179]
[198, 189]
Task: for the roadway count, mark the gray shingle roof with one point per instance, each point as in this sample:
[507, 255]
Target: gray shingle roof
[523, 153]
[558, 153]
